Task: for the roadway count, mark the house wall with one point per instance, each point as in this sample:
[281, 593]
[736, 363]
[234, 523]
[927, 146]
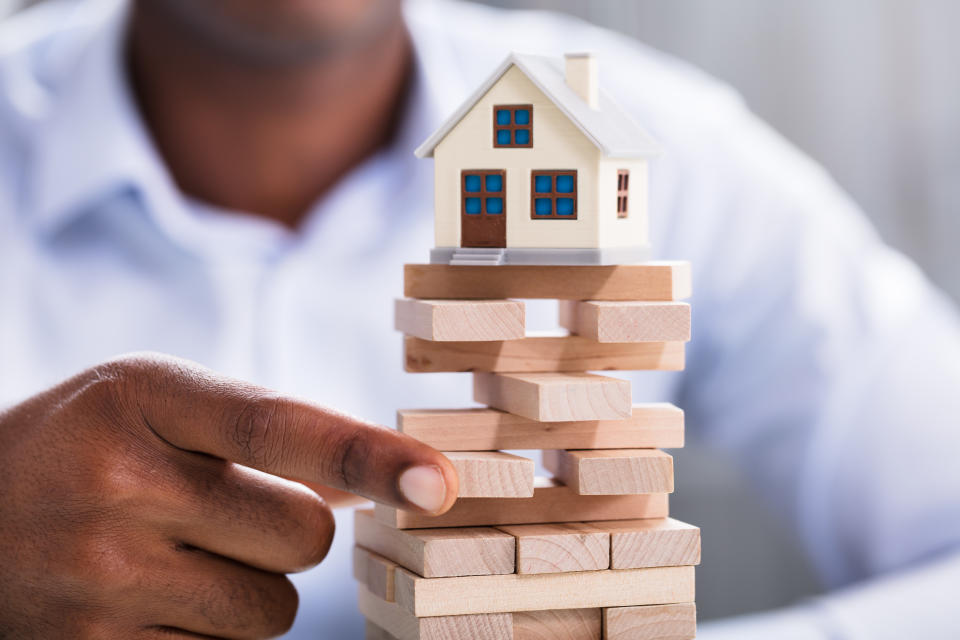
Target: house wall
[557, 144]
[622, 232]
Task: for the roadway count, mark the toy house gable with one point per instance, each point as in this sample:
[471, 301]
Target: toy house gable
[539, 166]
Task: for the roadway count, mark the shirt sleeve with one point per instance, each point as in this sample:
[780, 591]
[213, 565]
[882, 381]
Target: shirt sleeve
[826, 364]
[916, 603]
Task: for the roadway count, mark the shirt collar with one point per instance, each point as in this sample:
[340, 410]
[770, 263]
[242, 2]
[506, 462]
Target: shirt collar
[92, 142]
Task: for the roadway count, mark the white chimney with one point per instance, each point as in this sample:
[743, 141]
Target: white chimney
[581, 76]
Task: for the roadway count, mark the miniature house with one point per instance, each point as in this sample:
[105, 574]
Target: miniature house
[539, 166]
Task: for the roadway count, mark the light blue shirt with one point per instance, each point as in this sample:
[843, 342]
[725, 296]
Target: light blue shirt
[823, 361]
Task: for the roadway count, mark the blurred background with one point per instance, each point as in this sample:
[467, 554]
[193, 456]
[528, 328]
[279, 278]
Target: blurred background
[870, 89]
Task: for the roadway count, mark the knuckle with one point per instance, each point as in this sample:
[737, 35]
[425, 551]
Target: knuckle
[350, 458]
[96, 561]
[251, 429]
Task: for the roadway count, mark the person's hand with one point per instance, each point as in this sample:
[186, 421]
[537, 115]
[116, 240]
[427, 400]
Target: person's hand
[144, 498]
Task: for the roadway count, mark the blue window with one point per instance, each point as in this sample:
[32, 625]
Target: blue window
[554, 194]
[513, 126]
[483, 192]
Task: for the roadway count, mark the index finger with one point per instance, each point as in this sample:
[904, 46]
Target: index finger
[193, 408]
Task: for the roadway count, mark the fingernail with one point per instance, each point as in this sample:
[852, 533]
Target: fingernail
[424, 487]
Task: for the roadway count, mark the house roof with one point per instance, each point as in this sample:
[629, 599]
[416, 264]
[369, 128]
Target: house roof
[609, 128]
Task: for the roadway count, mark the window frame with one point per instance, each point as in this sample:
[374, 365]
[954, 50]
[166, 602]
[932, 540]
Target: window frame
[623, 193]
[553, 194]
[512, 127]
[483, 194]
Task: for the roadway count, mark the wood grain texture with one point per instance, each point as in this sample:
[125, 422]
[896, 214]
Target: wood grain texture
[533, 592]
[657, 542]
[405, 626]
[558, 624]
[551, 502]
[646, 281]
[553, 548]
[656, 425]
[628, 321]
[492, 474]
[374, 572]
[652, 622]
[435, 553]
[612, 472]
[461, 320]
[541, 353]
[555, 397]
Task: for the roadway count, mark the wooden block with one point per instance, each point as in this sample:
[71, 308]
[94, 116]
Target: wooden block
[435, 553]
[657, 425]
[558, 624]
[552, 548]
[555, 397]
[405, 626]
[373, 632]
[492, 474]
[612, 472]
[652, 622]
[375, 572]
[657, 542]
[646, 281]
[629, 321]
[426, 597]
[541, 353]
[551, 502]
[462, 320]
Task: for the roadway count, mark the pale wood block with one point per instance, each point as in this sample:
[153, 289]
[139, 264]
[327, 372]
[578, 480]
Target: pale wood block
[541, 353]
[373, 632]
[433, 553]
[612, 471]
[629, 321]
[552, 548]
[551, 502]
[461, 320]
[493, 474]
[652, 622]
[645, 281]
[403, 625]
[426, 597]
[557, 397]
[657, 425]
[375, 572]
[656, 542]
[558, 624]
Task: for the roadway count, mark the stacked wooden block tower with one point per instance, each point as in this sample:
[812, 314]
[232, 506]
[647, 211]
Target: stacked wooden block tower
[541, 192]
[588, 554]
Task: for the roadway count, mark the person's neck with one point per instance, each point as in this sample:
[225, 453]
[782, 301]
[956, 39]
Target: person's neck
[266, 140]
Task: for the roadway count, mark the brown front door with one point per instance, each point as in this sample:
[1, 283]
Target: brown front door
[483, 208]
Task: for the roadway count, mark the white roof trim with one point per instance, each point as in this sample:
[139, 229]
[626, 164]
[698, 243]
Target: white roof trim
[629, 141]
